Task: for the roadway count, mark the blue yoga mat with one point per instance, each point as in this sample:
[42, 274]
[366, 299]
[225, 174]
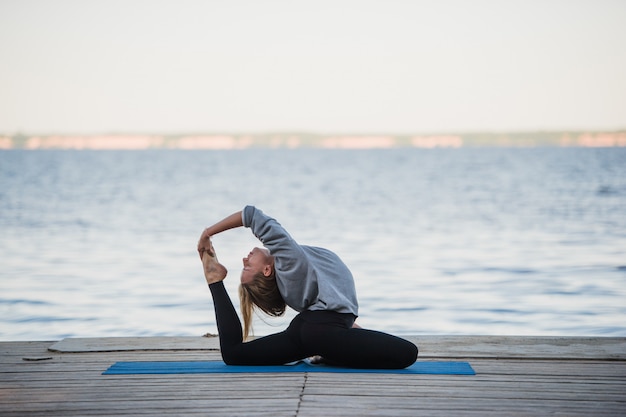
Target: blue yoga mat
[219, 367]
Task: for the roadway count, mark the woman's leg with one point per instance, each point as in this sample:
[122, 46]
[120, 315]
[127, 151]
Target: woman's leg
[275, 349]
[330, 335]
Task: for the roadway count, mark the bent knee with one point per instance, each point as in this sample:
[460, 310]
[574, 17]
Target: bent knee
[232, 357]
[230, 360]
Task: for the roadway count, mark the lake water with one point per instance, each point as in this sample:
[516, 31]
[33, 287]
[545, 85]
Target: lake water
[445, 241]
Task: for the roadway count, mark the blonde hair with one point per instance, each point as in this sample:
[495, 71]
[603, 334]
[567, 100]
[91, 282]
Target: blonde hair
[262, 292]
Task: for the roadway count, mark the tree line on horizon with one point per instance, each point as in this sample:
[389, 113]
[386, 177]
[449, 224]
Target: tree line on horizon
[315, 140]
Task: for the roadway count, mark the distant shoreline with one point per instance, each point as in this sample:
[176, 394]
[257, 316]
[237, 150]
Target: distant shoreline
[228, 141]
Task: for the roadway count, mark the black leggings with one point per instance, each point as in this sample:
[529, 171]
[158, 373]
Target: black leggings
[326, 333]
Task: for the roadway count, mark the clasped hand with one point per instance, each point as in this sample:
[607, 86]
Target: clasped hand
[205, 244]
[213, 270]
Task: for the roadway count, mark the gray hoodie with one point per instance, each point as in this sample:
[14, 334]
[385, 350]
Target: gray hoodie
[308, 277]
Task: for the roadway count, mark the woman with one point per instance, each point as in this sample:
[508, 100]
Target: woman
[312, 281]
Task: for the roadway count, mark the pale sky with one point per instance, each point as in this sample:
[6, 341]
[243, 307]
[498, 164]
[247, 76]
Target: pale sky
[341, 66]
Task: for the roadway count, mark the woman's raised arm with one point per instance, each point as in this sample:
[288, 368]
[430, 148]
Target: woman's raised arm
[230, 222]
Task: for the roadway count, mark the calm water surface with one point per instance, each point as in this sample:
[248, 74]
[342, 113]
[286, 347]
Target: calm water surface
[464, 241]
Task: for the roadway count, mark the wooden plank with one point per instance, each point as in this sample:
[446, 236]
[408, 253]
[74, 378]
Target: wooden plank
[125, 405]
[548, 347]
[359, 406]
[141, 392]
[542, 391]
[505, 347]
[113, 344]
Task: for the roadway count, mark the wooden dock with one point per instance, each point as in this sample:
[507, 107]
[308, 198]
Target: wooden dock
[516, 376]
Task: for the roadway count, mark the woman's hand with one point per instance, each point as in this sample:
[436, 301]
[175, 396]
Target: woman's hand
[205, 244]
[213, 270]
[230, 222]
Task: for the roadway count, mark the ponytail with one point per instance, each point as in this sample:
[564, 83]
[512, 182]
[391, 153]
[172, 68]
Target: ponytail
[261, 293]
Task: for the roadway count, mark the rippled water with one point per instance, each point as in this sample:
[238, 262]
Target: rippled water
[463, 241]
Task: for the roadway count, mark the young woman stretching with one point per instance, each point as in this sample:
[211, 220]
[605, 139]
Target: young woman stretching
[312, 281]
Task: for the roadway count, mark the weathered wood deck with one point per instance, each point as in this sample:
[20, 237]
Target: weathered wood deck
[516, 376]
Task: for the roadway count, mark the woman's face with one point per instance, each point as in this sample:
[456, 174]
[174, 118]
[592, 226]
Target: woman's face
[258, 260]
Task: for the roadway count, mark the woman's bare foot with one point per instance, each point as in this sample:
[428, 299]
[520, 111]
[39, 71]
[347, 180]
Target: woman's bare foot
[213, 270]
[316, 360]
